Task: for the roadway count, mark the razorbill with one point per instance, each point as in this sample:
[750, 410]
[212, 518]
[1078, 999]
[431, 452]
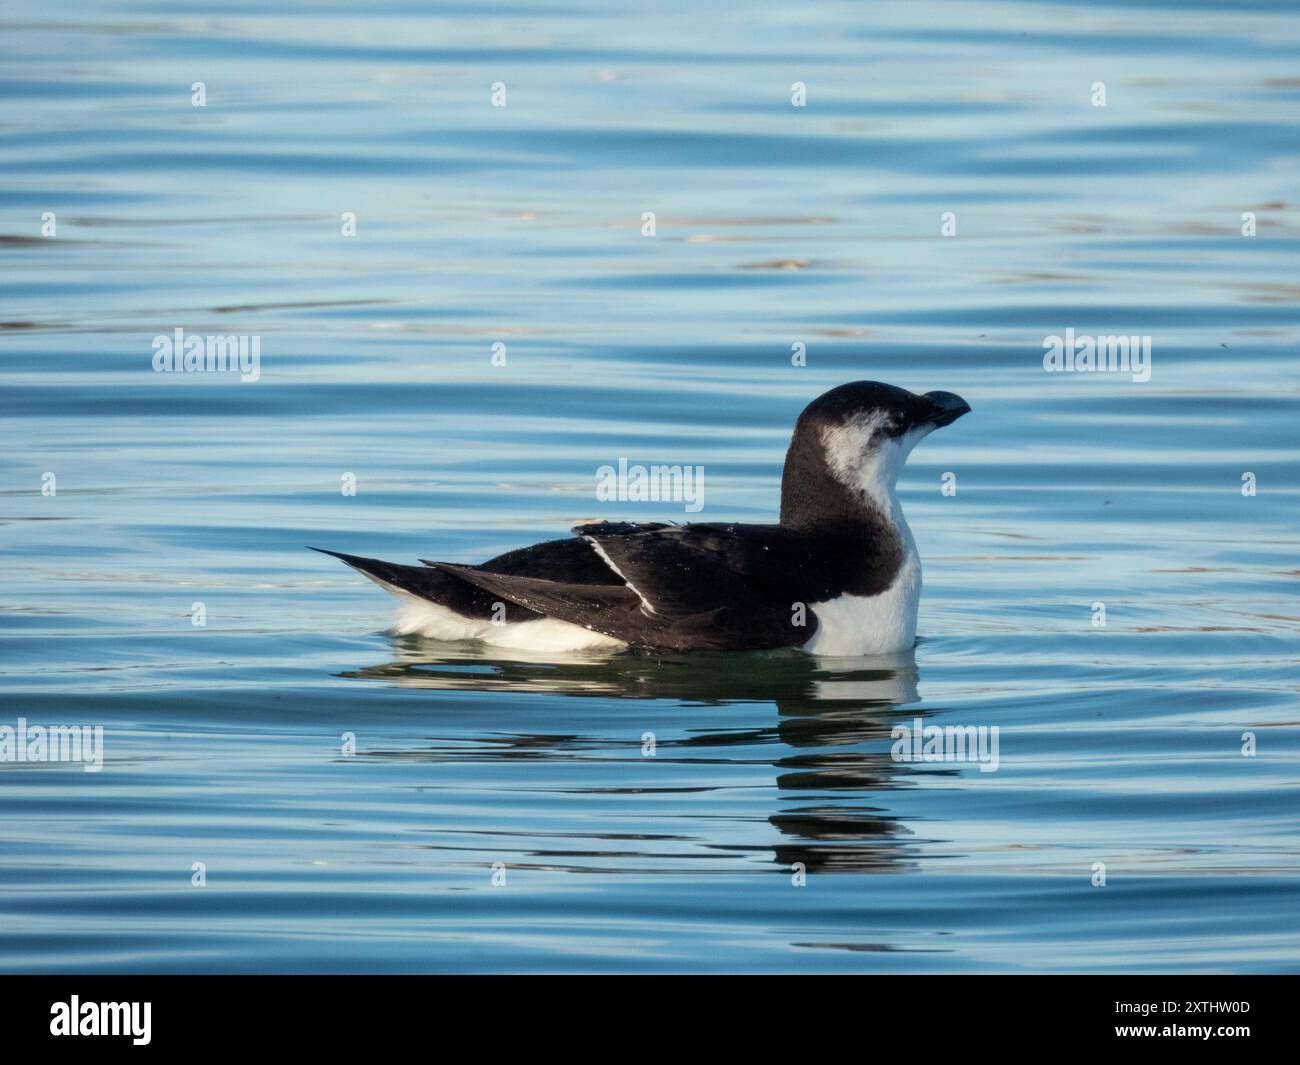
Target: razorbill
[839, 575]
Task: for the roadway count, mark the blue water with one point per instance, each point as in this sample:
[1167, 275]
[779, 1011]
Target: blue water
[522, 225]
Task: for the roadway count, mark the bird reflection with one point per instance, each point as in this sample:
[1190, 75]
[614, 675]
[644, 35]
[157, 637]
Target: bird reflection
[828, 713]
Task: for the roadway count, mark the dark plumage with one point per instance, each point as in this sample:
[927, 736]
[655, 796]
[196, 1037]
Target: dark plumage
[719, 586]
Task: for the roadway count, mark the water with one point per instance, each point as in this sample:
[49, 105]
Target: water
[775, 225]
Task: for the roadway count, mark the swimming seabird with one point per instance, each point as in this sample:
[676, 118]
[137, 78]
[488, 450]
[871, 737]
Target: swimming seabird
[838, 575]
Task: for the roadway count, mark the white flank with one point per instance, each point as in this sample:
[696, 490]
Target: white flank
[420, 617]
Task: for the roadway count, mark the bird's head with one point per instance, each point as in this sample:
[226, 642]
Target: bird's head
[850, 444]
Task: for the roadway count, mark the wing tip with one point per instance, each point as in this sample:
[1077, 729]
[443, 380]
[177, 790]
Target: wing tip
[327, 551]
[352, 560]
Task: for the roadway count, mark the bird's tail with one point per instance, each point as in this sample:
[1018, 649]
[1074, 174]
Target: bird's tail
[432, 584]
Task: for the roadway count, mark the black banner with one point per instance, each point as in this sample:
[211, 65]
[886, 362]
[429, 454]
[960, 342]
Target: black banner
[357, 1013]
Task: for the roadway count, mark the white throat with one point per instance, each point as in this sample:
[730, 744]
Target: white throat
[869, 462]
[878, 624]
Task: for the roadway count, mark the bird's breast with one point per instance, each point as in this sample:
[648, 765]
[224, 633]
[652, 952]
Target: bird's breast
[851, 625]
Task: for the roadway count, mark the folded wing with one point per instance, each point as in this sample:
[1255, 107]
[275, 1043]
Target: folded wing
[718, 587]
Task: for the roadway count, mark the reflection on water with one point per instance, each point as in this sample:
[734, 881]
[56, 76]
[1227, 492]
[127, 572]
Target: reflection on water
[791, 679]
[777, 226]
[820, 708]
